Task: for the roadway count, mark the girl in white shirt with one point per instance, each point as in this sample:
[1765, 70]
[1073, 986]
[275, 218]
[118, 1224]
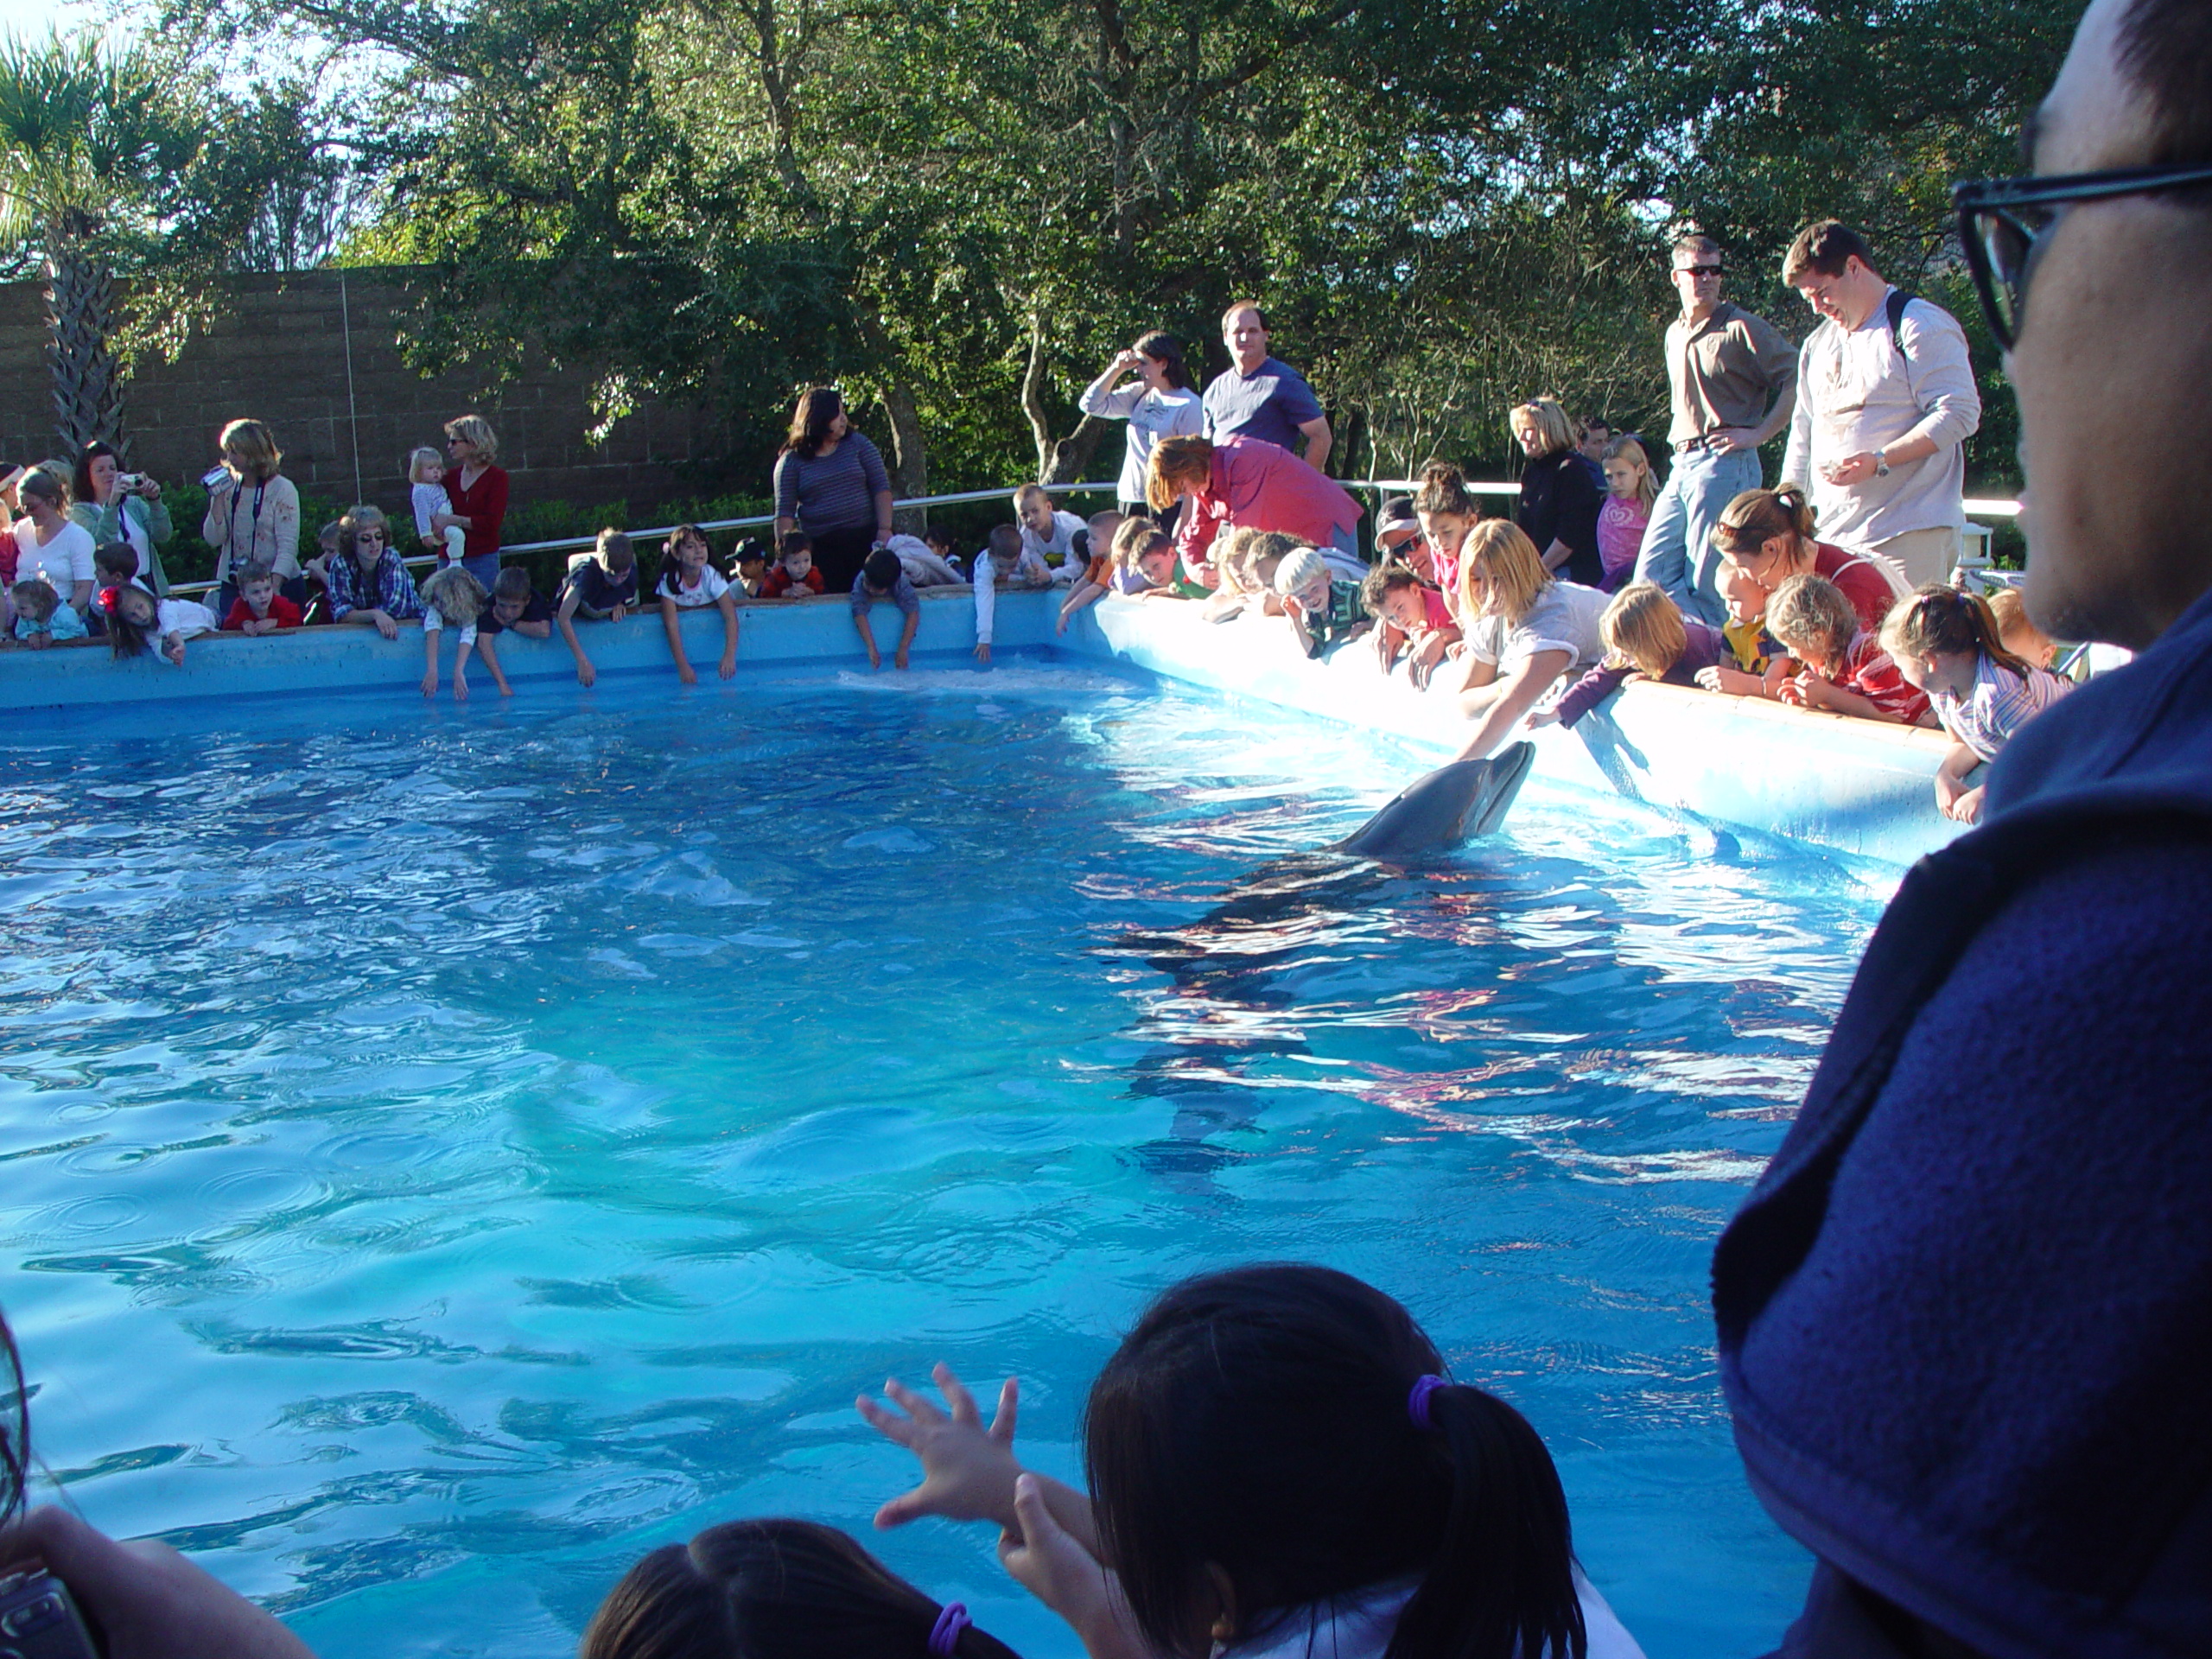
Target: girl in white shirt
[689, 583]
[1278, 1467]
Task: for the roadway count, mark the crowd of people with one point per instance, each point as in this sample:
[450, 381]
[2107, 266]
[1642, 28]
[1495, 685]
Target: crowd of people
[1225, 502]
[1961, 1319]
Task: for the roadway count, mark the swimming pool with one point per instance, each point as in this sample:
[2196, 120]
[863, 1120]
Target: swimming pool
[451, 1151]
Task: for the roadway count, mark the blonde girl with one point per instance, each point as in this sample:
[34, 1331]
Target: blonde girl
[434, 517]
[1646, 636]
[1631, 488]
[452, 596]
[1524, 629]
[1951, 645]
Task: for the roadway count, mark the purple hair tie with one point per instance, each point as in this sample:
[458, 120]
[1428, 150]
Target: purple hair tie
[1417, 1401]
[944, 1635]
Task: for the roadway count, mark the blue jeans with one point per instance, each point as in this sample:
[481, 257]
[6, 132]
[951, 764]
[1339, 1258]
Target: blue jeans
[1678, 552]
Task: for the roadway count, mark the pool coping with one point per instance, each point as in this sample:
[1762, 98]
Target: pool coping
[1858, 786]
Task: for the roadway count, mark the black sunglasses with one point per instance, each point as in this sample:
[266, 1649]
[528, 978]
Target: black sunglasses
[2003, 223]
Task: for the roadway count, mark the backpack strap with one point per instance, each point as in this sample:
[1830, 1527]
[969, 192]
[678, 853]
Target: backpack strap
[1895, 305]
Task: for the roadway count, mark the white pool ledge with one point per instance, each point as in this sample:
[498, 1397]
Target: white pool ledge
[1859, 787]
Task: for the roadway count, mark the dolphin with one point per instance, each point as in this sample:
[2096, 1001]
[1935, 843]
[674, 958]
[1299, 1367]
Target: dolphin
[1435, 813]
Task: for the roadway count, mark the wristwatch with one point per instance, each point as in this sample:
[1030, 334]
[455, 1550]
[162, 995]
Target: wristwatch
[1881, 465]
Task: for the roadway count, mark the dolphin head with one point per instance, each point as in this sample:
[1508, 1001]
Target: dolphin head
[1440, 810]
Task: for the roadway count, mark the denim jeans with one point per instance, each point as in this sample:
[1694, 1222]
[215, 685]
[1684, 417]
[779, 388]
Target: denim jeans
[1678, 551]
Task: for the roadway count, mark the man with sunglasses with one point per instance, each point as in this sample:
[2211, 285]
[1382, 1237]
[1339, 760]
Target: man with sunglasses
[1966, 1317]
[1732, 375]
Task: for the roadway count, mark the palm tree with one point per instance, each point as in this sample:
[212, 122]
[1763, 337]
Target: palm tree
[87, 139]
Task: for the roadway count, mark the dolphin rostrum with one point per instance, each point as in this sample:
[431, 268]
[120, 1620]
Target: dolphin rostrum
[1435, 813]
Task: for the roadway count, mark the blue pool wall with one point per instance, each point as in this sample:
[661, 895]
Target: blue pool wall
[1858, 786]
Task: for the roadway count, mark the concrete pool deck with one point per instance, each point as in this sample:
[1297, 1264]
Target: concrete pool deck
[1858, 786]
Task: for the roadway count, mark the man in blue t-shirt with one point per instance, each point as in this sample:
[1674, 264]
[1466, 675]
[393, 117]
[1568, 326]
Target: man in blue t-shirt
[1259, 397]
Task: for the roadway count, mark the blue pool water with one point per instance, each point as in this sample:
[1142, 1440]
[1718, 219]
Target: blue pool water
[449, 1152]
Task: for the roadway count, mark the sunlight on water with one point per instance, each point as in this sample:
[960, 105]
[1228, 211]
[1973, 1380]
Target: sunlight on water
[451, 1152]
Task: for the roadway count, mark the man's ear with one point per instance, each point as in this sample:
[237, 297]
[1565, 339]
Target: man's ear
[1223, 1628]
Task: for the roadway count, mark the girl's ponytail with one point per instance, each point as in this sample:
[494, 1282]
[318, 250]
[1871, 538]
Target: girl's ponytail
[1502, 1584]
[1937, 620]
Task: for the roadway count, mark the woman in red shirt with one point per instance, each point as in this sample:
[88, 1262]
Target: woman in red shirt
[477, 487]
[1241, 483]
[1767, 536]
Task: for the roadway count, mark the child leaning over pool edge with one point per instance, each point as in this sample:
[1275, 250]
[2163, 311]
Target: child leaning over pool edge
[689, 581]
[42, 616]
[1278, 1467]
[602, 587]
[883, 581]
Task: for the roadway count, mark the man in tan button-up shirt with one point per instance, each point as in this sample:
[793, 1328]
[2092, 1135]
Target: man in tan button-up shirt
[1735, 381]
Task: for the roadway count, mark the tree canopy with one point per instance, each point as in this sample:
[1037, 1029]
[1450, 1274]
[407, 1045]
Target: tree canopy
[960, 213]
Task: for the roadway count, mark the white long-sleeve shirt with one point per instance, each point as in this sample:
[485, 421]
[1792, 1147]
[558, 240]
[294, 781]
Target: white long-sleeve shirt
[1857, 393]
[1152, 416]
[1027, 565]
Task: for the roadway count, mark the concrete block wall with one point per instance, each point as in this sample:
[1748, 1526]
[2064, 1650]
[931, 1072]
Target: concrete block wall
[277, 351]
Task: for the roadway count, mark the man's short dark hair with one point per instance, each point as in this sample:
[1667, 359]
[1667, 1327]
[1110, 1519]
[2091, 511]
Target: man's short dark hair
[882, 570]
[1697, 242]
[1824, 249]
[1253, 306]
[2165, 49]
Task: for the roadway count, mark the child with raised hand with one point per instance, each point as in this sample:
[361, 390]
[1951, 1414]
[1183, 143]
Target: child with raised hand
[1415, 622]
[259, 608]
[1646, 637]
[1846, 670]
[600, 588]
[794, 576]
[1277, 1467]
[1950, 645]
[777, 1589]
[42, 616]
[450, 595]
[139, 625]
[434, 517]
[689, 581]
[1631, 488]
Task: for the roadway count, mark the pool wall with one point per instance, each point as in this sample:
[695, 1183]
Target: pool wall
[1856, 785]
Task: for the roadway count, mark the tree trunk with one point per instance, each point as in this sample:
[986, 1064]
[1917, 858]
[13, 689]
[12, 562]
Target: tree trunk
[910, 455]
[1059, 461]
[82, 316]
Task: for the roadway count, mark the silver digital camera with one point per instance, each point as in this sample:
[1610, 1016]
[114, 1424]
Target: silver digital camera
[39, 1617]
[214, 475]
[130, 483]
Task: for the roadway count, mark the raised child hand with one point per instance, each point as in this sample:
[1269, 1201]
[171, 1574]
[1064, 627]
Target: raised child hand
[967, 1470]
[1052, 1565]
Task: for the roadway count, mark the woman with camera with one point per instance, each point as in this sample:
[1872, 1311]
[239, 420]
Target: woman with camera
[253, 514]
[114, 505]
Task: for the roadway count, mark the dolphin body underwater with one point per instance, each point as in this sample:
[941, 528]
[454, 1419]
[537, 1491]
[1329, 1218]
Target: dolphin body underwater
[1228, 966]
[1436, 812]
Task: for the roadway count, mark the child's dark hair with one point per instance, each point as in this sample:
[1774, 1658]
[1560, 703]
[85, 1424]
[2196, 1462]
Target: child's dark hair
[773, 1589]
[1266, 1420]
[1385, 579]
[794, 541]
[118, 558]
[882, 570]
[1444, 489]
[127, 637]
[512, 584]
[1940, 618]
[1004, 542]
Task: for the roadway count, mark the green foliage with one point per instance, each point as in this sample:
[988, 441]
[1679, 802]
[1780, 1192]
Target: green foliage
[960, 213]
